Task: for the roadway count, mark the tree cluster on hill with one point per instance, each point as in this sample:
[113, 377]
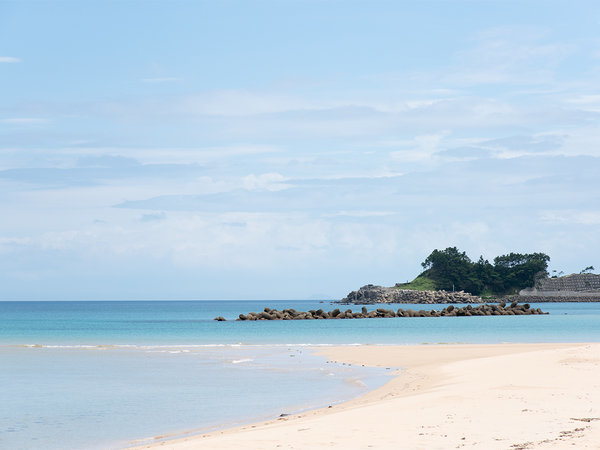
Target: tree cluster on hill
[451, 269]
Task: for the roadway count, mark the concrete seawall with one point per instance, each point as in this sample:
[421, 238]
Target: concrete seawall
[584, 287]
[557, 298]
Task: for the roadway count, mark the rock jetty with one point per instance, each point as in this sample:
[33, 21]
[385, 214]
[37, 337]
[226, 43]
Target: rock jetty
[371, 294]
[501, 309]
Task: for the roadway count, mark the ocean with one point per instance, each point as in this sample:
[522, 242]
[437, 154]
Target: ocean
[90, 375]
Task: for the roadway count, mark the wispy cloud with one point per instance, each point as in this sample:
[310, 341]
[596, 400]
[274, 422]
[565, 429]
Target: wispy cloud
[580, 217]
[265, 181]
[508, 55]
[172, 155]
[153, 217]
[9, 59]
[586, 102]
[24, 120]
[160, 80]
[240, 103]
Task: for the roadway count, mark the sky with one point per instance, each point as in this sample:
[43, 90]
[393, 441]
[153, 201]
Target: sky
[290, 149]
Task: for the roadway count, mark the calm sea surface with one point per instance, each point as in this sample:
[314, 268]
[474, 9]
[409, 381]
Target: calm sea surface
[101, 374]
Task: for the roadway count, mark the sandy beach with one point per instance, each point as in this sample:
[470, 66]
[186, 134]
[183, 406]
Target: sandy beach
[501, 396]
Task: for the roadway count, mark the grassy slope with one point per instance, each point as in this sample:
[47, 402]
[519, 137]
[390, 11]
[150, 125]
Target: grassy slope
[421, 283]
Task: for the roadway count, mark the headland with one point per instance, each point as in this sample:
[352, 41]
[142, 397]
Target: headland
[450, 276]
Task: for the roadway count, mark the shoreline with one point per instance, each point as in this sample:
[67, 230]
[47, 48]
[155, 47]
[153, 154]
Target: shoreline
[488, 396]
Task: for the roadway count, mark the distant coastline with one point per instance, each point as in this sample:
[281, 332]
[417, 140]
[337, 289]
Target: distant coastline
[381, 295]
[571, 289]
[450, 276]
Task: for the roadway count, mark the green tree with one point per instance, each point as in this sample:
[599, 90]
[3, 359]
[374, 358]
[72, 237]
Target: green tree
[487, 275]
[452, 270]
[518, 271]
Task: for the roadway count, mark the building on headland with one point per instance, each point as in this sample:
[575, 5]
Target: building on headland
[576, 287]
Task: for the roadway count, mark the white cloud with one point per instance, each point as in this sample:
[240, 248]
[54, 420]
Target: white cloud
[265, 181]
[571, 217]
[586, 102]
[420, 148]
[579, 141]
[9, 59]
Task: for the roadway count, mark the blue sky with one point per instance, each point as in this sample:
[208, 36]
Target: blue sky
[290, 149]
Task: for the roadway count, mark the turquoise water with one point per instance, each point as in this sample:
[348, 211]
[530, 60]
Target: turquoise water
[100, 374]
[94, 323]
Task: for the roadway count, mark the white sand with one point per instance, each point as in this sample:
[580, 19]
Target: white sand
[505, 396]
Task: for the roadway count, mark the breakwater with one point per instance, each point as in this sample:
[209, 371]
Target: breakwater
[501, 309]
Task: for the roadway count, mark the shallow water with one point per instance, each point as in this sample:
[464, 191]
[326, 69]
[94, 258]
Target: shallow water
[97, 374]
[58, 398]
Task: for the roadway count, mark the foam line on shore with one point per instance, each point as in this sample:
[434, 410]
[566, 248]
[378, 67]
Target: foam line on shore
[177, 346]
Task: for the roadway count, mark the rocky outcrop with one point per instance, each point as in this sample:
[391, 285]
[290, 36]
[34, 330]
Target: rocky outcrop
[514, 309]
[371, 294]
